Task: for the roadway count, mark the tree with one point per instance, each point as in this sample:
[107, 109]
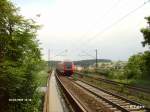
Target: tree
[146, 33]
[138, 65]
[20, 58]
[135, 66]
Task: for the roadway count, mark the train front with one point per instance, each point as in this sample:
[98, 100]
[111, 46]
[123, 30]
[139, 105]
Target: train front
[68, 68]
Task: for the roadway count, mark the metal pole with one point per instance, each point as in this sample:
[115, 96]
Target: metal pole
[96, 59]
[49, 59]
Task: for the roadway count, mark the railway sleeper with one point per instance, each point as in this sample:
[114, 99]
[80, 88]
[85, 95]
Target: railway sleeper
[114, 100]
[103, 94]
[114, 109]
[111, 107]
[117, 111]
[124, 104]
[118, 102]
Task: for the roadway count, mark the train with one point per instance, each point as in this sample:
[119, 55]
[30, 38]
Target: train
[66, 68]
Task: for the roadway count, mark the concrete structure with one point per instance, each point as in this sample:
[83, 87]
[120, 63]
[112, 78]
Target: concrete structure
[54, 97]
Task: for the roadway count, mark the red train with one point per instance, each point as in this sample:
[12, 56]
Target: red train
[66, 68]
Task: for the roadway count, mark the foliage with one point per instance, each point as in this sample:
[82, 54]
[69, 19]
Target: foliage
[116, 74]
[42, 76]
[139, 64]
[136, 68]
[20, 59]
[146, 33]
[86, 63]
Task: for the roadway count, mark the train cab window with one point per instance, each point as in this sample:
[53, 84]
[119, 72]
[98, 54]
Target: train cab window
[68, 64]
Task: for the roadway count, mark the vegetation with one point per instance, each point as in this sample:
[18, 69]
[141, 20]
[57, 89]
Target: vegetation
[20, 61]
[42, 76]
[86, 63]
[137, 69]
[119, 89]
[146, 33]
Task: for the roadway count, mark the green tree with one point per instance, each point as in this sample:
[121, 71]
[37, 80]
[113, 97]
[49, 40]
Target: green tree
[138, 66]
[146, 33]
[135, 66]
[20, 59]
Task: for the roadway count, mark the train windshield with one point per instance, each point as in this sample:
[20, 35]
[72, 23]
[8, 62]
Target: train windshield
[68, 64]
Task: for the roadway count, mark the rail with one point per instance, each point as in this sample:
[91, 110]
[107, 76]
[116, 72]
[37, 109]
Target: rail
[140, 89]
[77, 107]
[111, 102]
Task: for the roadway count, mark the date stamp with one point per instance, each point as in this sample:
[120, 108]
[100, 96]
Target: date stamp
[136, 106]
[19, 100]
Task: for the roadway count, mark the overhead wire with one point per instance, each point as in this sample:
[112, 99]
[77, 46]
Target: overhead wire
[113, 24]
[118, 21]
[87, 54]
[104, 15]
[58, 54]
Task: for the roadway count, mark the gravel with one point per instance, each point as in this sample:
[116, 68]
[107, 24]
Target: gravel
[89, 101]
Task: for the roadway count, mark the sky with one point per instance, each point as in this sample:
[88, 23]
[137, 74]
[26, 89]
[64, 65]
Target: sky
[73, 29]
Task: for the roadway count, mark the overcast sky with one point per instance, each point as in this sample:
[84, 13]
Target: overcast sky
[73, 29]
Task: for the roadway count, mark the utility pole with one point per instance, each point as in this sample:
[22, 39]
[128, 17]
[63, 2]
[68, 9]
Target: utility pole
[96, 59]
[49, 59]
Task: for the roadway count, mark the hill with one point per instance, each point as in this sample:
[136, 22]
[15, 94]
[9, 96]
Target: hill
[89, 62]
[84, 63]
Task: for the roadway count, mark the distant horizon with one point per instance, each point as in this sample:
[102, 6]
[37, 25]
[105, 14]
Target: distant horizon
[89, 59]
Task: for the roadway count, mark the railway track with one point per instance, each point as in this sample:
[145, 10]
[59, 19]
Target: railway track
[137, 88]
[73, 103]
[109, 102]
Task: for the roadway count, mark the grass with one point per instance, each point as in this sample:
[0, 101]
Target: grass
[42, 78]
[137, 82]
